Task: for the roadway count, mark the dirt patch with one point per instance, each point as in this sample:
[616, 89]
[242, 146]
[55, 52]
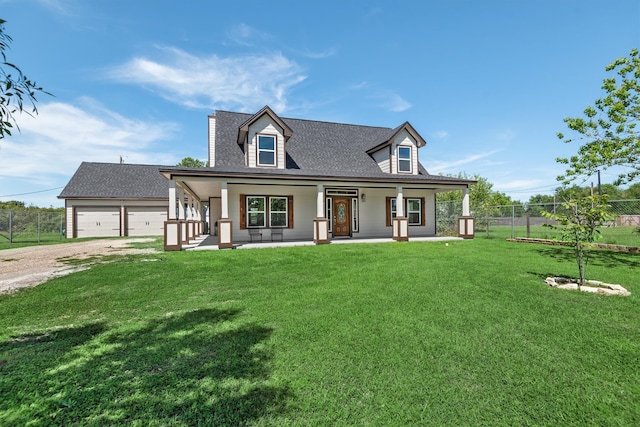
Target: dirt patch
[33, 265]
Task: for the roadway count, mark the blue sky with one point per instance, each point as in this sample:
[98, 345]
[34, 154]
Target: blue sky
[486, 83]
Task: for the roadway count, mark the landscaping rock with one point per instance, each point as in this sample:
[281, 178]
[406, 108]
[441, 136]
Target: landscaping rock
[592, 286]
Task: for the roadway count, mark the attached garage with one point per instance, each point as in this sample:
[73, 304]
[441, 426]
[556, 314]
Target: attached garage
[146, 221]
[116, 199]
[97, 221]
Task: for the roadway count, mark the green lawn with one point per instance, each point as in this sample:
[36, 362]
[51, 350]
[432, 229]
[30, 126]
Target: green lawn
[29, 239]
[336, 335]
[627, 236]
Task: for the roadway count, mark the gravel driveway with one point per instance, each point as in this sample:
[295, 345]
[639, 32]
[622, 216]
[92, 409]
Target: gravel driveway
[30, 266]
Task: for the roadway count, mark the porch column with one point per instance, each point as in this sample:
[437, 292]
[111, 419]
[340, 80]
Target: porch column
[465, 202]
[225, 235]
[184, 230]
[199, 229]
[190, 218]
[466, 223]
[172, 237]
[172, 200]
[400, 223]
[320, 223]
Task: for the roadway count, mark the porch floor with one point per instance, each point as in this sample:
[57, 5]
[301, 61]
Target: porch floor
[204, 243]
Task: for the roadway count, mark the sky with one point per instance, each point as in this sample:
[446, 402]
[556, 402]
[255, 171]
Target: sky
[486, 83]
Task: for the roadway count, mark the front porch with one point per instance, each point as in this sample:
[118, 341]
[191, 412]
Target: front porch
[209, 243]
[298, 212]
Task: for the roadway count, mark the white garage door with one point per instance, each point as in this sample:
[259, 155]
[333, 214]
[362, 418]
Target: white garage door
[98, 221]
[146, 221]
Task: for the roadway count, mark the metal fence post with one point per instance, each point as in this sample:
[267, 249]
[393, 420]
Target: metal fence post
[513, 221]
[38, 227]
[10, 229]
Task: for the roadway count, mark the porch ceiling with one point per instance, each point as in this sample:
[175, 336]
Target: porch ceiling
[202, 189]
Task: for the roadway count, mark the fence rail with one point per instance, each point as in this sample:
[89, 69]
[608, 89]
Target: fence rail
[30, 226]
[527, 220]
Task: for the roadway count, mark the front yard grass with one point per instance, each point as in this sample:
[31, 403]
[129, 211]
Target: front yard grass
[368, 334]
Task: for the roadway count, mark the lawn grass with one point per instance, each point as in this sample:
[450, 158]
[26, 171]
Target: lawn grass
[628, 236]
[368, 334]
[30, 239]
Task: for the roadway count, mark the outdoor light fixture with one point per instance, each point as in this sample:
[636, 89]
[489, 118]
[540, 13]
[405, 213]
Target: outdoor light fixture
[363, 197]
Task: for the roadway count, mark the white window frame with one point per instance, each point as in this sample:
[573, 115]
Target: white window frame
[328, 208]
[393, 210]
[249, 212]
[264, 150]
[285, 212]
[405, 159]
[419, 211]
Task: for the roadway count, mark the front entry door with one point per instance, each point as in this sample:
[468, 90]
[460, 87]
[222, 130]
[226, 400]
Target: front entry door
[341, 217]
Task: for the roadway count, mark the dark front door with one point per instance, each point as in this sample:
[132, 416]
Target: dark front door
[341, 217]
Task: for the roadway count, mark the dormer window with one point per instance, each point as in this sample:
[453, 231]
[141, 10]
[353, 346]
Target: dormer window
[266, 150]
[404, 159]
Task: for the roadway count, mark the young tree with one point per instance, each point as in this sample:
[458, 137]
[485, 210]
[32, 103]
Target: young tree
[17, 92]
[579, 223]
[190, 162]
[608, 129]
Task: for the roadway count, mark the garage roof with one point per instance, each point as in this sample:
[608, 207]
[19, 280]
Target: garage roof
[117, 181]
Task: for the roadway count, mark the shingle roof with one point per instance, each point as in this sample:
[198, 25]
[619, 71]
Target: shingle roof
[117, 181]
[315, 149]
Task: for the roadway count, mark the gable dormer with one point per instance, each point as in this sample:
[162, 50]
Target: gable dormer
[398, 154]
[263, 138]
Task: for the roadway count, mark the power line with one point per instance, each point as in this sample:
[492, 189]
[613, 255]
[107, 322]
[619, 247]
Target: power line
[32, 192]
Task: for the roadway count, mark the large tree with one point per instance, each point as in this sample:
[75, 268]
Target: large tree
[608, 128]
[190, 162]
[480, 194]
[17, 92]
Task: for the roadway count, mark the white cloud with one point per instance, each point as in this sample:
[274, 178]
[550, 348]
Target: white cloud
[245, 35]
[397, 104]
[440, 134]
[358, 86]
[61, 136]
[238, 82]
[327, 53]
[61, 7]
[444, 167]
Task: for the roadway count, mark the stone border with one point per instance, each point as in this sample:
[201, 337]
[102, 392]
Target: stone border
[592, 286]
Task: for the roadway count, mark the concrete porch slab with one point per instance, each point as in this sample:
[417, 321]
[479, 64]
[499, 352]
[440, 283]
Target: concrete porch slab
[211, 243]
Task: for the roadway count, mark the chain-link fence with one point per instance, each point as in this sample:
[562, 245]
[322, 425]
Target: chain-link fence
[526, 220]
[30, 226]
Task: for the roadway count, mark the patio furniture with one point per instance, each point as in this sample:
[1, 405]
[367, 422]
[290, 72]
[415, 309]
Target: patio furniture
[277, 233]
[255, 233]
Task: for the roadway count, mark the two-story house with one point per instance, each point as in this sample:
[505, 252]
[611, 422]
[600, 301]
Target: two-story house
[302, 179]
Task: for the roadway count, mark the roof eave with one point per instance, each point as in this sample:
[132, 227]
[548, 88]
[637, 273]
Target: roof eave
[200, 173]
[405, 126]
[244, 128]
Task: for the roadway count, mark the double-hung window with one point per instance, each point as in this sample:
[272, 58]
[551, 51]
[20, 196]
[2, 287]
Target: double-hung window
[404, 159]
[278, 212]
[413, 210]
[266, 211]
[266, 150]
[256, 211]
